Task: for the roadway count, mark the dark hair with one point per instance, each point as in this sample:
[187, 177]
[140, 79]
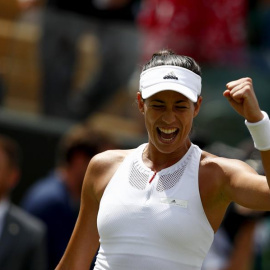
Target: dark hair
[79, 139]
[168, 57]
[12, 151]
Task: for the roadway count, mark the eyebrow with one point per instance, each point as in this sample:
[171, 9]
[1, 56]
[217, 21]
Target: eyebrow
[161, 101]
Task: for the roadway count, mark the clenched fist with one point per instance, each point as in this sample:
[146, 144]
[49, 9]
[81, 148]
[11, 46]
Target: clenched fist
[241, 95]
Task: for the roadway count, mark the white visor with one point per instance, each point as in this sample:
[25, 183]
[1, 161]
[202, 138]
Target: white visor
[167, 77]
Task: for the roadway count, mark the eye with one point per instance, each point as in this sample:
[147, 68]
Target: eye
[181, 107]
[157, 106]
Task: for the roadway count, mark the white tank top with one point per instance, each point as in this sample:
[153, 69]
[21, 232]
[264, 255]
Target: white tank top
[153, 225]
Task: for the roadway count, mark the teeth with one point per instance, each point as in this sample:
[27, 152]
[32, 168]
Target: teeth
[168, 131]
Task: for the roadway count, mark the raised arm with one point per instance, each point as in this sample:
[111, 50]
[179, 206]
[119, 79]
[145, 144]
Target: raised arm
[241, 96]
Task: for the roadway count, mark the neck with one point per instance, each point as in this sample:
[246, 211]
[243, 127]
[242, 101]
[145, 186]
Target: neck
[157, 160]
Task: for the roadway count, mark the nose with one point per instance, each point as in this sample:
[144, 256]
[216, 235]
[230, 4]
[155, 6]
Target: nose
[168, 116]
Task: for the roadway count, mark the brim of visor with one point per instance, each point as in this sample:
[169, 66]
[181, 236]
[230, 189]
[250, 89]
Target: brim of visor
[154, 89]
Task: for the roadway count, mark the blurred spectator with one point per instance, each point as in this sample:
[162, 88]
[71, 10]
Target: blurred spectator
[212, 31]
[22, 237]
[55, 199]
[259, 23]
[259, 34]
[262, 245]
[65, 22]
[2, 90]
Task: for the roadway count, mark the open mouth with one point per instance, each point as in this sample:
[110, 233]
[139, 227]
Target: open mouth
[167, 134]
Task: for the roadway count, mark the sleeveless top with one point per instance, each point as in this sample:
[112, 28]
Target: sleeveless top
[153, 221]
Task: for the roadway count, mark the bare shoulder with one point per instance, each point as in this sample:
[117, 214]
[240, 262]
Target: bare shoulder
[218, 173]
[219, 178]
[108, 160]
[101, 169]
[223, 165]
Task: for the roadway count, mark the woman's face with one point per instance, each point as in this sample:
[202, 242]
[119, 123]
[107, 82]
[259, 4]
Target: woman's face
[168, 119]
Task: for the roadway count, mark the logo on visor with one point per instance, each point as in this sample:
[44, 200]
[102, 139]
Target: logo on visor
[170, 75]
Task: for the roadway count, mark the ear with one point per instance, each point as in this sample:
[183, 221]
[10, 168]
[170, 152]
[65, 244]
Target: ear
[197, 106]
[140, 102]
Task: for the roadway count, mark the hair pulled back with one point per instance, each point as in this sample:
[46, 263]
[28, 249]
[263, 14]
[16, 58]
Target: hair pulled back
[168, 57]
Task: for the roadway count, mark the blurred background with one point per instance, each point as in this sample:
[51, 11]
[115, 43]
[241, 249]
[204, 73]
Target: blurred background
[69, 62]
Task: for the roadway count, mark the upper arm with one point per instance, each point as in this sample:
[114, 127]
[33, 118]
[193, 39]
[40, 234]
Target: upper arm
[245, 186]
[84, 241]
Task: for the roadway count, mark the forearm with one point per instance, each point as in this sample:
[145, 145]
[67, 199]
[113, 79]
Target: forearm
[260, 133]
[265, 156]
